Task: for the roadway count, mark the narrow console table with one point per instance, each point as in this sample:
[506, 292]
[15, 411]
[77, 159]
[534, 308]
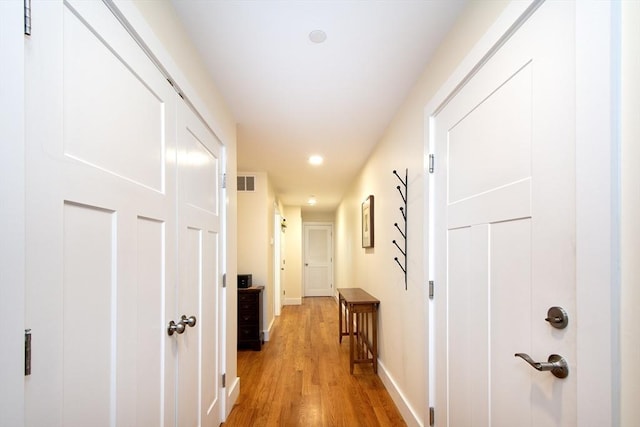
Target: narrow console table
[360, 311]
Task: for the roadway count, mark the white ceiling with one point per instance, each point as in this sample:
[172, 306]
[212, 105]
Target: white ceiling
[292, 98]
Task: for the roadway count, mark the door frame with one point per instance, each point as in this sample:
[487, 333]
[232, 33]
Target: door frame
[597, 172]
[12, 221]
[277, 262]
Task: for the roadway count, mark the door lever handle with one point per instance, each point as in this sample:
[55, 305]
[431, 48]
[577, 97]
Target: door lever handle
[556, 364]
[189, 321]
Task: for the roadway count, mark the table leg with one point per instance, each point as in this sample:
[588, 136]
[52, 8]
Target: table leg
[350, 328]
[340, 301]
[375, 338]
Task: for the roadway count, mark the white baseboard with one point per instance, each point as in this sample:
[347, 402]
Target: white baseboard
[267, 332]
[232, 396]
[408, 413]
[293, 301]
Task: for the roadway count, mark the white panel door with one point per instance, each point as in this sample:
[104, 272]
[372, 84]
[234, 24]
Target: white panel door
[505, 232]
[101, 227]
[199, 278]
[318, 260]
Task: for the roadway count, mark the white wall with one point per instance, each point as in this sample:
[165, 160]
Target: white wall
[402, 323]
[311, 215]
[253, 231]
[630, 232]
[293, 256]
[255, 240]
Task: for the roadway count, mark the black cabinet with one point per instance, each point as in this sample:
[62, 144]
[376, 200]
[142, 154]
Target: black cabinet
[250, 318]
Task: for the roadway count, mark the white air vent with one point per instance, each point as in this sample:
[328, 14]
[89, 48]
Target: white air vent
[246, 183]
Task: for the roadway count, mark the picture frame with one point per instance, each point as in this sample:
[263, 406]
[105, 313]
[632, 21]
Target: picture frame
[367, 223]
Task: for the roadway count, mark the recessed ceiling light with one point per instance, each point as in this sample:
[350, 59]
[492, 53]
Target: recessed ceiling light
[317, 36]
[316, 160]
[311, 201]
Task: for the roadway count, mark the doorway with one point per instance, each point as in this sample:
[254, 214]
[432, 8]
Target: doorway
[278, 261]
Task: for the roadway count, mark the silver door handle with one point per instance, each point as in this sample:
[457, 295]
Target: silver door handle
[177, 328]
[189, 321]
[556, 364]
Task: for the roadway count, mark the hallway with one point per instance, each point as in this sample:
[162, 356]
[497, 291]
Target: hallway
[301, 376]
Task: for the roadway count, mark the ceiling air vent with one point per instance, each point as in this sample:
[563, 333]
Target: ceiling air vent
[246, 183]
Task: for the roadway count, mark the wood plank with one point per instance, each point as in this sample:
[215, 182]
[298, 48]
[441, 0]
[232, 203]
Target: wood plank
[301, 377]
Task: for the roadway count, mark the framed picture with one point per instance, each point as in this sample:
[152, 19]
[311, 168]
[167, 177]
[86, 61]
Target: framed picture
[367, 223]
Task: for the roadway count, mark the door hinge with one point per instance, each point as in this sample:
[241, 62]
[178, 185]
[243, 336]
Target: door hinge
[224, 380]
[27, 17]
[431, 289]
[224, 280]
[432, 416]
[432, 162]
[224, 180]
[27, 352]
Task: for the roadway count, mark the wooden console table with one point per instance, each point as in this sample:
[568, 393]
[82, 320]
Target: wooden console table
[360, 311]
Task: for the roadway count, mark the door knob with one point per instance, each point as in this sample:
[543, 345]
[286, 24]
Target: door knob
[556, 364]
[189, 321]
[175, 328]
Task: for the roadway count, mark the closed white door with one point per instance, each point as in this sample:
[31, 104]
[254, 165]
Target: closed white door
[104, 277]
[199, 277]
[505, 232]
[318, 260]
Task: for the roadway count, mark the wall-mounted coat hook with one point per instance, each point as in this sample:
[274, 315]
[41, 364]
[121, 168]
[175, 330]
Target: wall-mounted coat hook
[396, 243]
[403, 231]
[405, 271]
[400, 230]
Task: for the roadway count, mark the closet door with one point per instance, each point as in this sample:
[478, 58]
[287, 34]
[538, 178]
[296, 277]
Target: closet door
[101, 223]
[199, 272]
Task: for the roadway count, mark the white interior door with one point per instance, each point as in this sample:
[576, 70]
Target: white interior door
[199, 277]
[505, 231]
[102, 232]
[318, 260]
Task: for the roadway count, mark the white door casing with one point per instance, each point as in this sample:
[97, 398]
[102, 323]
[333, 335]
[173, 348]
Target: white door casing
[505, 231]
[104, 277]
[277, 266]
[318, 259]
[12, 222]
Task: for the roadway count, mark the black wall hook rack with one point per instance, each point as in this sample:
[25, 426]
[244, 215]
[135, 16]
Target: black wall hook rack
[402, 189]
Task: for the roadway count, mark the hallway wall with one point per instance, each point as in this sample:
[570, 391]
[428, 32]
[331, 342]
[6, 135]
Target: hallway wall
[293, 256]
[255, 240]
[402, 324]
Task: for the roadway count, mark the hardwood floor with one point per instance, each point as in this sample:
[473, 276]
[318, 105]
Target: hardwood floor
[301, 376]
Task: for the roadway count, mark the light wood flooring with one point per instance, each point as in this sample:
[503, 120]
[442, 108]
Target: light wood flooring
[301, 376]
